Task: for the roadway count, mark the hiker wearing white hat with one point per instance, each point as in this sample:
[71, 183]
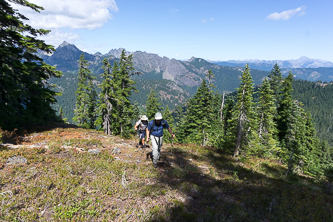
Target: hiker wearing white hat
[155, 131]
[141, 127]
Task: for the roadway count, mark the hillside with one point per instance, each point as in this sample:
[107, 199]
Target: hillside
[54, 175]
[317, 99]
[311, 74]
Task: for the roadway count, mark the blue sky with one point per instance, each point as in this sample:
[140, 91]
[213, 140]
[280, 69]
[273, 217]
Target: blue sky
[180, 29]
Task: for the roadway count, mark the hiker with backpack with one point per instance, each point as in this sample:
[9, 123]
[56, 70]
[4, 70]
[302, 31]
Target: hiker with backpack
[155, 131]
[141, 127]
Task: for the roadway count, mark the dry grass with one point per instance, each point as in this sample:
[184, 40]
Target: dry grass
[65, 184]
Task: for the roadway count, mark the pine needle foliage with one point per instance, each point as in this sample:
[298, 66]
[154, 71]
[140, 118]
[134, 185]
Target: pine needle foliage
[153, 105]
[105, 99]
[86, 96]
[25, 93]
[167, 115]
[242, 123]
[267, 126]
[201, 112]
[123, 86]
[275, 80]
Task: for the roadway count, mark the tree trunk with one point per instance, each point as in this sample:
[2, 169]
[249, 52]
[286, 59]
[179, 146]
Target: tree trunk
[239, 134]
[221, 110]
[290, 162]
[261, 123]
[239, 137]
[203, 140]
[106, 116]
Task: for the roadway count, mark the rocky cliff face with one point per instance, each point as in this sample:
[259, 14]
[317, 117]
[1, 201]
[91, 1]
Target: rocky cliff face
[171, 69]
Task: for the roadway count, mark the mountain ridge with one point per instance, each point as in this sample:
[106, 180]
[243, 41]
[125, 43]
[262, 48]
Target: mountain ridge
[302, 62]
[187, 73]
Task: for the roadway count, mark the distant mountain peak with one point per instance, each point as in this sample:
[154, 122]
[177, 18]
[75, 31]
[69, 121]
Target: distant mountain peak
[64, 44]
[117, 52]
[191, 59]
[98, 54]
[68, 46]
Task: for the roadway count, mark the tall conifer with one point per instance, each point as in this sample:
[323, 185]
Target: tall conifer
[25, 93]
[199, 114]
[106, 98]
[153, 105]
[267, 112]
[285, 106]
[167, 115]
[275, 80]
[243, 120]
[85, 96]
[123, 88]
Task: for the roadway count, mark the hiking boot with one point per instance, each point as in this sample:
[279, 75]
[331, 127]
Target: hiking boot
[147, 146]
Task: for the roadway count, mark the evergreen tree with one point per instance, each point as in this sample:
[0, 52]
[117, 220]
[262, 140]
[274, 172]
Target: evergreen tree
[294, 150]
[243, 117]
[296, 133]
[106, 98]
[92, 104]
[85, 96]
[199, 114]
[153, 105]
[167, 115]
[311, 141]
[25, 94]
[267, 126]
[325, 155]
[136, 111]
[180, 122]
[227, 113]
[285, 107]
[61, 113]
[275, 80]
[123, 88]
[210, 77]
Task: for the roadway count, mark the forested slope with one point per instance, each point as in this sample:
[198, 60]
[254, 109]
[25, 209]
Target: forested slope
[317, 100]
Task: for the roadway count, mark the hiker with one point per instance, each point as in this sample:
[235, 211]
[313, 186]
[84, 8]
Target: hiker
[155, 131]
[141, 126]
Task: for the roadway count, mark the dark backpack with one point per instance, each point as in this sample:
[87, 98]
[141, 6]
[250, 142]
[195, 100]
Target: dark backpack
[142, 126]
[154, 124]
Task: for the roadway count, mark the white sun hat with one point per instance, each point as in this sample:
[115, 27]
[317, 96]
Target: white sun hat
[144, 117]
[158, 116]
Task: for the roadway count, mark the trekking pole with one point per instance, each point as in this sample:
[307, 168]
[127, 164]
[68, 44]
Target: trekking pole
[172, 145]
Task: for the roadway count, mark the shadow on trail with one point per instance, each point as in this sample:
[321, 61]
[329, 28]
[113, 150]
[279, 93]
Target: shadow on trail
[15, 136]
[215, 187]
[49, 126]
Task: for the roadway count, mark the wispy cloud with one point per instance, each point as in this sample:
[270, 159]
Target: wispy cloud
[76, 14]
[206, 20]
[285, 15]
[56, 37]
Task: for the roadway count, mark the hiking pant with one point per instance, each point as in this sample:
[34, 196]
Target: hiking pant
[156, 143]
[142, 134]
